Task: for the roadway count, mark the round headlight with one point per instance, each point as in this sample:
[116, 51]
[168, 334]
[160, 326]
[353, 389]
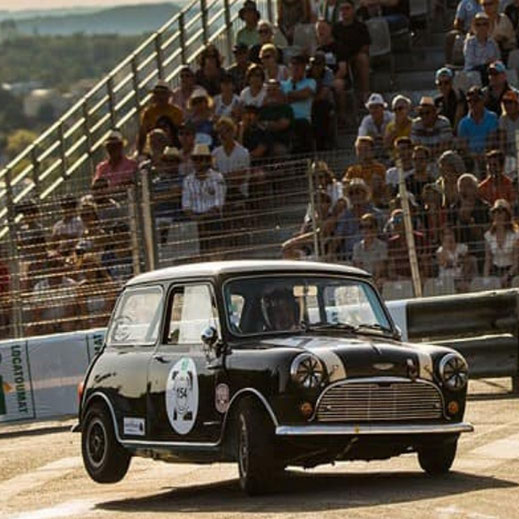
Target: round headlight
[454, 371]
[307, 371]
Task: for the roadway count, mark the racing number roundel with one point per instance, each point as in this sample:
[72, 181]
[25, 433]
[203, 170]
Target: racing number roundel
[182, 395]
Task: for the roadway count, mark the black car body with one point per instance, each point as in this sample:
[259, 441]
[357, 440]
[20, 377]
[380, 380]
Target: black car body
[269, 363]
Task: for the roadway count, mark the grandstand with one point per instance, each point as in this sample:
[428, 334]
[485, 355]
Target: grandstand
[64, 273]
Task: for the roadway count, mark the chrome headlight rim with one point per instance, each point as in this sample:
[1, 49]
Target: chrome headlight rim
[454, 371]
[307, 371]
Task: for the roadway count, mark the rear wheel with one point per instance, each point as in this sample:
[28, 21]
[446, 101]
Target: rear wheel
[437, 459]
[105, 460]
[257, 464]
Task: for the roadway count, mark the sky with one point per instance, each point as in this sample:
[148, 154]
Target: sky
[19, 5]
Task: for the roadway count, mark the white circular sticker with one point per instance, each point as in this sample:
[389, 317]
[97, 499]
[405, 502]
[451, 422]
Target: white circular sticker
[222, 398]
[182, 395]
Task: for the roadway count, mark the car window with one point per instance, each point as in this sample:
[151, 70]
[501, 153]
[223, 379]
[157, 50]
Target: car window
[348, 304]
[191, 311]
[137, 317]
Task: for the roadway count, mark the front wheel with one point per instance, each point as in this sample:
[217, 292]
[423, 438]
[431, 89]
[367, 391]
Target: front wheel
[257, 464]
[105, 460]
[437, 459]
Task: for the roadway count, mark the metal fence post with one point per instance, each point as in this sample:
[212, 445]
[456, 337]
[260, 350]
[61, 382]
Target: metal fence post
[111, 100]
[62, 150]
[134, 229]
[147, 220]
[88, 135]
[182, 37]
[14, 267]
[135, 83]
[158, 55]
[270, 11]
[35, 170]
[228, 30]
[205, 33]
[310, 174]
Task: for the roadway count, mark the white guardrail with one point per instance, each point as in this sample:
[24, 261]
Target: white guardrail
[39, 376]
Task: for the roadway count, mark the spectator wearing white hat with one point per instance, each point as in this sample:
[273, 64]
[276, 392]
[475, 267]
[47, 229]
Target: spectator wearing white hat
[430, 129]
[160, 108]
[375, 123]
[118, 169]
[203, 198]
[400, 126]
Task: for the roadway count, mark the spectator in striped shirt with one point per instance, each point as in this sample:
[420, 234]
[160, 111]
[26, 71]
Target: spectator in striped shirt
[203, 198]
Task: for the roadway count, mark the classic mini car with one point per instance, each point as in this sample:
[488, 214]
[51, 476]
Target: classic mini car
[267, 363]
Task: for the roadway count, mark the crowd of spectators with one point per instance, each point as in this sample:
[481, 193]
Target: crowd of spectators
[214, 148]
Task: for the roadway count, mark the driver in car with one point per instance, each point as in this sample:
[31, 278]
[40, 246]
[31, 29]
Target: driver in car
[280, 310]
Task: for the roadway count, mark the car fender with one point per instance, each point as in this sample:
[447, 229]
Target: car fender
[101, 397]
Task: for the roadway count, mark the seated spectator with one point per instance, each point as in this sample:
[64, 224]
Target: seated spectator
[300, 91]
[254, 92]
[159, 108]
[401, 125]
[465, 12]
[509, 123]
[210, 71]
[277, 118]
[94, 238]
[399, 266]
[180, 95]
[421, 174]
[232, 160]
[227, 104]
[326, 180]
[31, 236]
[396, 12]
[291, 13]
[200, 105]
[501, 244]
[497, 87]
[450, 168]
[348, 224]
[67, 231]
[108, 209]
[167, 192]
[266, 36]
[186, 136]
[367, 167]
[454, 261]
[323, 105]
[450, 102]
[238, 70]
[478, 129]
[480, 49]
[370, 253]
[248, 35]
[156, 141]
[497, 185]
[253, 136]
[118, 169]
[335, 58]
[512, 11]
[117, 258]
[96, 294]
[404, 158]
[203, 199]
[54, 300]
[501, 28]
[434, 215]
[468, 216]
[269, 61]
[354, 36]
[375, 123]
[430, 129]
[380, 195]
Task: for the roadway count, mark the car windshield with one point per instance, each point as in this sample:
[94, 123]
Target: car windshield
[273, 304]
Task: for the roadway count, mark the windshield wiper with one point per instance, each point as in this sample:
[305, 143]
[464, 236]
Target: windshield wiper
[374, 326]
[307, 327]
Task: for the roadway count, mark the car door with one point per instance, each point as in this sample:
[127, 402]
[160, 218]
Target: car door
[121, 371]
[183, 373]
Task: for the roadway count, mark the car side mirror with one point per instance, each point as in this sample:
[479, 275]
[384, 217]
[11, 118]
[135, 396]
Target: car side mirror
[210, 337]
[398, 332]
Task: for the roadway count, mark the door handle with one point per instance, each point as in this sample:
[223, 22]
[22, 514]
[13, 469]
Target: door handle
[162, 360]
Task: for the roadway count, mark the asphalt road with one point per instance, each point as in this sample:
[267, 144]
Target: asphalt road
[42, 477]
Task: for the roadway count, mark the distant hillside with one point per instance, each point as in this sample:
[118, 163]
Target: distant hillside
[125, 20]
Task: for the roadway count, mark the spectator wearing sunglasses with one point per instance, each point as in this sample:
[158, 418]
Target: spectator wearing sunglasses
[497, 86]
[401, 125]
[270, 63]
[266, 36]
[450, 102]
[501, 28]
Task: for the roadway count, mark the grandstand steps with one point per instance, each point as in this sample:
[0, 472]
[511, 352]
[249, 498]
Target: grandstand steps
[420, 59]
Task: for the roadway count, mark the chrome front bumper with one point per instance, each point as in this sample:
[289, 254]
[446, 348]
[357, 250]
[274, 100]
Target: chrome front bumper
[366, 430]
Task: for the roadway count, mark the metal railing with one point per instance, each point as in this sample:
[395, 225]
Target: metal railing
[74, 142]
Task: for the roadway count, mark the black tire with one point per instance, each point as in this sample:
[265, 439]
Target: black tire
[257, 464]
[438, 458]
[105, 460]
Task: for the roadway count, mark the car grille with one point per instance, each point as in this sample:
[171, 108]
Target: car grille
[373, 402]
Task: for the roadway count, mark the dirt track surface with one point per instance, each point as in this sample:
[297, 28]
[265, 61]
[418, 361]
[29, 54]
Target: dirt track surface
[42, 477]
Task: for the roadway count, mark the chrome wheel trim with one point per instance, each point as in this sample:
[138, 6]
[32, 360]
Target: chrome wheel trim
[96, 442]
